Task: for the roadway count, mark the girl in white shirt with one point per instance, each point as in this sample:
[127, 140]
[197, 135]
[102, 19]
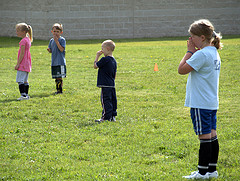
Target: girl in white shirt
[202, 63]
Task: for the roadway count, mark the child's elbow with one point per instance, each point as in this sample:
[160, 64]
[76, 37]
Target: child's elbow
[181, 71]
[185, 69]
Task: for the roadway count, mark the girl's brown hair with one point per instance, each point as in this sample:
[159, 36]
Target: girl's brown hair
[26, 28]
[205, 27]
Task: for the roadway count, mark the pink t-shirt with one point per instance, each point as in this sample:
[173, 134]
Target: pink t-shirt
[26, 64]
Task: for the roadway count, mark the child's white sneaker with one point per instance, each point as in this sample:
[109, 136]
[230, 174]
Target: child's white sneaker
[213, 174]
[197, 175]
[113, 119]
[99, 120]
[23, 98]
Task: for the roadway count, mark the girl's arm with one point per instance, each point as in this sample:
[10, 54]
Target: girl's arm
[20, 58]
[183, 67]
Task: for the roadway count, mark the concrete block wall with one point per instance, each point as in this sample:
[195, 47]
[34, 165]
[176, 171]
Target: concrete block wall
[101, 19]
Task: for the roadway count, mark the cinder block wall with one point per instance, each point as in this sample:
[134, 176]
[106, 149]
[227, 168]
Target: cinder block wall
[101, 19]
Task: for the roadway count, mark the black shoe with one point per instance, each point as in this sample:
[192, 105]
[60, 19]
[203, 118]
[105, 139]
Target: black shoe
[58, 93]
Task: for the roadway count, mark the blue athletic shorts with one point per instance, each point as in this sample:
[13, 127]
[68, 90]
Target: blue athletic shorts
[203, 120]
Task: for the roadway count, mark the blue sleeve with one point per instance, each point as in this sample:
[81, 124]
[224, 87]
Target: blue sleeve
[49, 45]
[102, 62]
[62, 42]
[197, 60]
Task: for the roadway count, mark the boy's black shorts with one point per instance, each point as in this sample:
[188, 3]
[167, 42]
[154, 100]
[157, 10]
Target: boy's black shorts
[59, 71]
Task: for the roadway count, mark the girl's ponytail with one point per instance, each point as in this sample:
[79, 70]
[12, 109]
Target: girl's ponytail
[30, 32]
[217, 40]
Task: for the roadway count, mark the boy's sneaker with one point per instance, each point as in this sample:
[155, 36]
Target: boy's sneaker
[197, 175]
[23, 98]
[113, 119]
[213, 174]
[99, 120]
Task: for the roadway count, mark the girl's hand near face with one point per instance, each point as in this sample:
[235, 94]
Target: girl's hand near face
[191, 46]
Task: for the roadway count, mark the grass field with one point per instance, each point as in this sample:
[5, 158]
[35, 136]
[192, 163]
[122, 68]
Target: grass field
[55, 137]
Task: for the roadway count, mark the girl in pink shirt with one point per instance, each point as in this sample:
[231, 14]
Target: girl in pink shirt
[24, 63]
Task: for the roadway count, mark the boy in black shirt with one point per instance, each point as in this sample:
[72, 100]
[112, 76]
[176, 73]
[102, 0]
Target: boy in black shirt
[107, 68]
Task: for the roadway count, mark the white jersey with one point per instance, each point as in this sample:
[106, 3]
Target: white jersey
[203, 81]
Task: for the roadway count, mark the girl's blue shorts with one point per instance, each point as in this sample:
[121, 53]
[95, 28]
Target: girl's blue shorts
[204, 120]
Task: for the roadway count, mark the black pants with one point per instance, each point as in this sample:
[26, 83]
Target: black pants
[109, 102]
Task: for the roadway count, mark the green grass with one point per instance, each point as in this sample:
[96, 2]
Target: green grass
[55, 137]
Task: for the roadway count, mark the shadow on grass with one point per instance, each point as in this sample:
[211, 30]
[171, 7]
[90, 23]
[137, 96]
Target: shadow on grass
[31, 97]
[86, 124]
[8, 100]
[42, 95]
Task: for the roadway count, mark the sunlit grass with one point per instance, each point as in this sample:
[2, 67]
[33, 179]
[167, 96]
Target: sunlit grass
[55, 137]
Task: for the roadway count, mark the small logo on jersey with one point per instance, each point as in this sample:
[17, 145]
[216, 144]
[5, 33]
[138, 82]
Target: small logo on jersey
[217, 64]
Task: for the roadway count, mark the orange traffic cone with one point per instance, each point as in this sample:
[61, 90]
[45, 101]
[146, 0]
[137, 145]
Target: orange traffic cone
[156, 67]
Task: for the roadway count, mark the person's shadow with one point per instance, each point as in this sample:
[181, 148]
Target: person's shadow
[32, 96]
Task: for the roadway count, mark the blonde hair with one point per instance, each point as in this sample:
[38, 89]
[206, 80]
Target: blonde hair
[110, 44]
[205, 27]
[26, 28]
[58, 26]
